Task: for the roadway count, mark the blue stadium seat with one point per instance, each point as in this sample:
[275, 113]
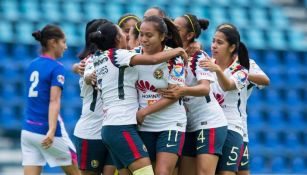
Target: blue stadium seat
[113, 11]
[6, 31]
[176, 11]
[137, 10]
[93, 10]
[71, 34]
[9, 120]
[294, 77]
[21, 52]
[273, 98]
[30, 10]
[239, 16]
[3, 50]
[296, 118]
[259, 17]
[200, 11]
[255, 38]
[278, 18]
[202, 2]
[295, 40]
[24, 31]
[293, 98]
[272, 140]
[10, 9]
[261, 3]
[72, 11]
[257, 164]
[279, 164]
[292, 59]
[242, 3]
[218, 14]
[276, 39]
[298, 165]
[51, 11]
[291, 140]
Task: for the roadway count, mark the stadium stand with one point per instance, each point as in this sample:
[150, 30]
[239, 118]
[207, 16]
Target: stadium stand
[277, 115]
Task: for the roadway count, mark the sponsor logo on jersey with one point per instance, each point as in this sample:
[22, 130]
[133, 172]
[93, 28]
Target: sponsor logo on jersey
[158, 74]
[219, 98]
[94, 163]
[61, 79]
[145, 86]
[178, 70]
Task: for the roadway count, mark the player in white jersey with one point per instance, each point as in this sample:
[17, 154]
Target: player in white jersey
[231, 75]
[116, 79]
[256, 77]
[162, 120]
[93, 156]
[207, 125]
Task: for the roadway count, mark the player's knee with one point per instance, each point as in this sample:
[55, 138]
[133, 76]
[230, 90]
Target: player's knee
[147, 170]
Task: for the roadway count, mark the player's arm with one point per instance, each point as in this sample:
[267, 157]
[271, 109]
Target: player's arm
[54, 109]
[201, 89]
[157, 58]
[259, 79]
[155, 107]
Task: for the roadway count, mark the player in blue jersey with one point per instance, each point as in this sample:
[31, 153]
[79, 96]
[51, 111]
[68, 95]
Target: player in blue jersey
[43, 137]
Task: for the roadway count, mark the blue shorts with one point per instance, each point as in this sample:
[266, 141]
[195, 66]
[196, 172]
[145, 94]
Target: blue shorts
[92, 155]
[164, 141]
[244, 163]
[124, 144]
[230, 158]
[205, 141]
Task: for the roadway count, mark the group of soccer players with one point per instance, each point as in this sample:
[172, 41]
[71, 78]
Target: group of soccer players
[153, 101]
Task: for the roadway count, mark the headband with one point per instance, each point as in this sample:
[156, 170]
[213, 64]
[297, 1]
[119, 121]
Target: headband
[190, 22]
[136, 26]
[130, 16]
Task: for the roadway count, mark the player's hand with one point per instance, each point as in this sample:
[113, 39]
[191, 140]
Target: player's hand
[140, 116]
[208, 64]
[183, 54]
[81, 68]
[174, 92]
[48, 140]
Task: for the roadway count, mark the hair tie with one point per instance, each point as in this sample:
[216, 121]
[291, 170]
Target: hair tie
[190, 22]
[133, 17]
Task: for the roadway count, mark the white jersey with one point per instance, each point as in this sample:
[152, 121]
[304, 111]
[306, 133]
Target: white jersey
[90, 123]
[153, 77]
[246, 92]
[116, 80]
[202, 112]
[230, 100]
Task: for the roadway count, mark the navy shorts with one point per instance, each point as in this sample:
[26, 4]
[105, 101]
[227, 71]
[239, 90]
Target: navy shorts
[244, 163]
[231, 154]
[205, 141]
[92, 155]
[124, 144]
[170, 141]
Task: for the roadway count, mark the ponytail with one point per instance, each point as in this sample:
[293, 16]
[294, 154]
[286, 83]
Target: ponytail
[105, 37]
[243, 56]
[173, 38]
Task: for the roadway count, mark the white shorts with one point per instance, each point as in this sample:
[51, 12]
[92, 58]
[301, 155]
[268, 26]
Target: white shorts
[61, 153]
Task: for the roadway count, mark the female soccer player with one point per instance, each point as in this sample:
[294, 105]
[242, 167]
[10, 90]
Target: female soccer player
[134, 35]
[207, 125]
[162, 120]
[43, 137]
[155, 11]
[116, 78]
[93, 156]
[127, 21]
[231, 75]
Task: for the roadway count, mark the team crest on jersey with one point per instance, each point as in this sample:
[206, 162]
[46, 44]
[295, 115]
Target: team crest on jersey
[145, 86]
[179, 70]
[158, 74]
[94, 163]
[242, 76]
[61, 79]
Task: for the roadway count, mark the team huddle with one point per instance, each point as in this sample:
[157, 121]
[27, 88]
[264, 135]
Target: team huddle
[153, 102]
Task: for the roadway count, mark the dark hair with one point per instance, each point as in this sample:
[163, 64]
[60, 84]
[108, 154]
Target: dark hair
[48, 32]
[226, 25]
[136, 29]
[105, 36]
[160, 10]
[123, 19]
[233, 37]
[90, 47]
[167, 27]
[195, 25]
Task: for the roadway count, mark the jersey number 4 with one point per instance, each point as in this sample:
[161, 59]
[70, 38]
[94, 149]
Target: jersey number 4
[34, 78]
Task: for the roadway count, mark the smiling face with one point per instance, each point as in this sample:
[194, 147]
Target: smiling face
[181, 23]
[127, 25]
[58, 46]
[150, 38]
[220, 47]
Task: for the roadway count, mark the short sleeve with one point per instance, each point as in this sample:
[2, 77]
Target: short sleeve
[122, 57]
[254, 68]
[202, 73]
[89, 66]
[58, 76]
[176, 71]
[240, 78]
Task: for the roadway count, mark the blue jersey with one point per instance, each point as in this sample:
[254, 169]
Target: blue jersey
[42, 74]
